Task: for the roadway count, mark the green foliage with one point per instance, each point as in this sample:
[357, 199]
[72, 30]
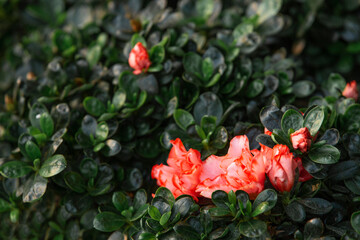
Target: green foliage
[79, 132]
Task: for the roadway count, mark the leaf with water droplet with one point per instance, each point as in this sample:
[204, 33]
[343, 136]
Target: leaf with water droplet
[53, 166]
[34, 188]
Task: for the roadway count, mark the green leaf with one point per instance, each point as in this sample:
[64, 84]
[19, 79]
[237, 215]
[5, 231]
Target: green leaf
[208, 104]
[355, 221]
[75, 182]
[314, 228]
[334, 85]
[232, 197]
[343, 170]
[93, 55]
[147, 236]
[183, 118]
[267, 9]
[325, 154]
[102, 131]
[52, 166]
[111, 148]
[220, 138]
[270, 117]
[302, 89]
[32, 150]
[137, 38]
[316, 205]
[36, 110]
[265, 201]
[186, 232]
[47, 124]
[34, 188]
[165, 218]
[120, 201]
[14, 215]
[166, 194]
[220, 198]
[208, 124]
[291, 119]
[4, 205]
[241, 31]
[94, 106]
[296, 212]
[204, 8]
[141, 211]
[108, 222]
[207, 69]
[351, 118]
[193, 64]
[88, 168]
[157, 54]
[314, 119]
[15, 169]
[154, 213]
[119, 99]
[183, 205]
[213, 80]
[255, 88]
[253, 228]
[140, 198]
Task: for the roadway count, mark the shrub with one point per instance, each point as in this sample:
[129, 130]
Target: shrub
[93, 92]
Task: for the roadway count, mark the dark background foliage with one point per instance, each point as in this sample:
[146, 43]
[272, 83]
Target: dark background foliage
[79, 132]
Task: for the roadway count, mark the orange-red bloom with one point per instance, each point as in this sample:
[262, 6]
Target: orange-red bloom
[303, 174]
[139, 59]
[351, 90]
[301, 139]
[182, 174]
[281, 168]
[238, 169]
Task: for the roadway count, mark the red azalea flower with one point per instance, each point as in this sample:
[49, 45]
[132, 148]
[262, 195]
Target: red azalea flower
[139, 59]
[238, 169]
[182, 174]
[281, 168]
[301, 139]
[351, 90]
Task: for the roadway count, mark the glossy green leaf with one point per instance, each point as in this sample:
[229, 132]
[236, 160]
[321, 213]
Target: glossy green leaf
[253, 228]
[47, 124]
[183, 118]
[94, 106]
[314, 119]
[355, 221]
[325, 154]
[15, 169]
[75, 182]
[291, 119]
[32, 150]
[108, 222]
[4, 205]
[53, 166]
[34, 188]
[120, 201]
[154, 213]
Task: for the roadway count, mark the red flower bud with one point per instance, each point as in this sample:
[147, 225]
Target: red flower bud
[351, 90]
[301, 139]
[139, 59]
[281, 168]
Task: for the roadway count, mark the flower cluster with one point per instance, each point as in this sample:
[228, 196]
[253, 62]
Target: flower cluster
[240, 169]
